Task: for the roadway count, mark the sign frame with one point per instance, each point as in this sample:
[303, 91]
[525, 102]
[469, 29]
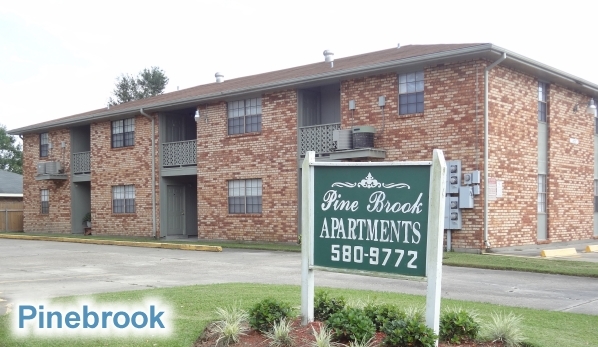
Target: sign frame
[435, 232]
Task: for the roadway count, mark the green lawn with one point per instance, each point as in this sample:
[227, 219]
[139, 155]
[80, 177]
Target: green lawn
[194, 307]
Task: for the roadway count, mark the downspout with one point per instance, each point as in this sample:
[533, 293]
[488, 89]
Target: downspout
[504, 56]
[153, 172]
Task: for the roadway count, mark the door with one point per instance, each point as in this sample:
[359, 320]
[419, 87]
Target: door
[310, 108]
[176, 210]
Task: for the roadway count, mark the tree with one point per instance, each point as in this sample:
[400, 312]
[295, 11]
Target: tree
[11, 152]
[149, 82]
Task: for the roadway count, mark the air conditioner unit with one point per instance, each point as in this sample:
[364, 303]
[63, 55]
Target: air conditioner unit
[41, 168]
[342, 139]
[53, 168]
[363, 136]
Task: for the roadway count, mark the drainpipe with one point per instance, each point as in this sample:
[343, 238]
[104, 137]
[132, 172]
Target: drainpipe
[504, 56]
[153, 172]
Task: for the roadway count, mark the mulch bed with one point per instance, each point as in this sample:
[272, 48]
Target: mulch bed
[303, 337]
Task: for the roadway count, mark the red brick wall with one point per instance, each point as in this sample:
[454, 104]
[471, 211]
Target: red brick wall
[570, 167]
[270, 155]
[123, 166]
[58, 220]
[448, 123]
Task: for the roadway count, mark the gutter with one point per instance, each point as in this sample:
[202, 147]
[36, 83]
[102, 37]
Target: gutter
[500, 60]
[153, 171]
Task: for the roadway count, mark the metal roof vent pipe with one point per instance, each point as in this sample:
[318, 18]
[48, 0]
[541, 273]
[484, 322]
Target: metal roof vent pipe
[329, 57]
[219, 77]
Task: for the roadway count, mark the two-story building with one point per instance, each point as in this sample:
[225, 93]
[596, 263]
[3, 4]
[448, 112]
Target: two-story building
[222, 160]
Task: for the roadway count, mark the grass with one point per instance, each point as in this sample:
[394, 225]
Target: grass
[499, 262]
[195, 306]
[482, 261]
[287, 247]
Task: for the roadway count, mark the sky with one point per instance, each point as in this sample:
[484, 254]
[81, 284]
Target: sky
[59, 58]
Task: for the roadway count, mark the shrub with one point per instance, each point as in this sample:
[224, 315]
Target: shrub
[351, 324]
[280, 335]
[381, 314]
[415, 313]
[503, 327]
[410, 332]
[230, 324]
[324, 305]
[457, 324]
[265, 313]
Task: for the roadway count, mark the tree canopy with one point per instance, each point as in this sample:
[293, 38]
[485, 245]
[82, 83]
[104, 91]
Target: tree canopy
[149, 82]
[11, 152]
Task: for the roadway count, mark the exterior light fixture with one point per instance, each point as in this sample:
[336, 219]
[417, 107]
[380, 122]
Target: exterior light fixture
[590, 109]
[196, 116]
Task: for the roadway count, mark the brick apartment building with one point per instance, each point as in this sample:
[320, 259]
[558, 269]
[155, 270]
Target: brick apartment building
[222, 160]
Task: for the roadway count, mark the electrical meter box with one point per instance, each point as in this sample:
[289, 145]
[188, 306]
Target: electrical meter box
[453, 180]
[466, 197]
[471, 177]
[452, 214]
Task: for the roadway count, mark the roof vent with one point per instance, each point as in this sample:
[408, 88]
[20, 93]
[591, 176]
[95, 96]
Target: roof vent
[219, 77]
[329, 57]
[398, 45]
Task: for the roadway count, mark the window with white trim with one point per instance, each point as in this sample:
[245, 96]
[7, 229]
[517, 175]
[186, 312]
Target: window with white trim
[542, 193]
[245, 196]
[411, 93]
[123, 133]
[245, 116]
[45, 201]
[542, 101]
[123, 199]
[44, 144]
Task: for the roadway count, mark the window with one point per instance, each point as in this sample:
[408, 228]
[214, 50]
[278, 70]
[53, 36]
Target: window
[123, 133]
[595, 195]
[245, 116]
[542, 193]
[542, 101]
[44, 144]
[245, 196]
[411, 93]
[45, 201]
[123, 199]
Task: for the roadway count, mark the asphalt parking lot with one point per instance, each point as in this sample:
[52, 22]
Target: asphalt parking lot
[44, 269]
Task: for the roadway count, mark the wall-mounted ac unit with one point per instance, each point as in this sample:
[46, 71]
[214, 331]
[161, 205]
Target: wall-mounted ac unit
[49, 168]
[363, 136]
[342, 139]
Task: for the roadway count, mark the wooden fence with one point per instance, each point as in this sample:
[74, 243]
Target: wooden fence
[11, 216]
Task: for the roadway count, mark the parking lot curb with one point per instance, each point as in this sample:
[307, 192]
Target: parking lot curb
[187, 247]
[591, 248]
[561, 252]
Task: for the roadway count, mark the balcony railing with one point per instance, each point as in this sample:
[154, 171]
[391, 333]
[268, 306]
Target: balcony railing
[180, 153]
[81, 163]
[317, 138]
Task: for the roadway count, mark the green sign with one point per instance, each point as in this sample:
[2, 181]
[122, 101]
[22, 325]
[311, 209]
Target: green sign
[371, 218]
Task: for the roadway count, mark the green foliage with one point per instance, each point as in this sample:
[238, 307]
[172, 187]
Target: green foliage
[410, 332]
[381, 314]
[415, 313]
[324, 305]
[87, 217]
[280, 335]
[11, 152]
[503, 327]
[149, 82]
[265, 313]
[230, 324]
[362, 343]
[323, 338]
[351, 324]
[457, 324]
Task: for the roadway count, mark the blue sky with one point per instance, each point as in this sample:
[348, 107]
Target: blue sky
[59, 58]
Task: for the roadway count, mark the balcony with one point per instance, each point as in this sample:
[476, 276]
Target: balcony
[317, 138]
[81, 166]
[179, 158]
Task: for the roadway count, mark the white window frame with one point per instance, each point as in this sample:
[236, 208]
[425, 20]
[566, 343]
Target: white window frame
[44, 145]
[542, 101]
[244, 116]
[123, 133]
[123, 199]
[542, 202]
[44, 201]
[411, 92]
[245, 196]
